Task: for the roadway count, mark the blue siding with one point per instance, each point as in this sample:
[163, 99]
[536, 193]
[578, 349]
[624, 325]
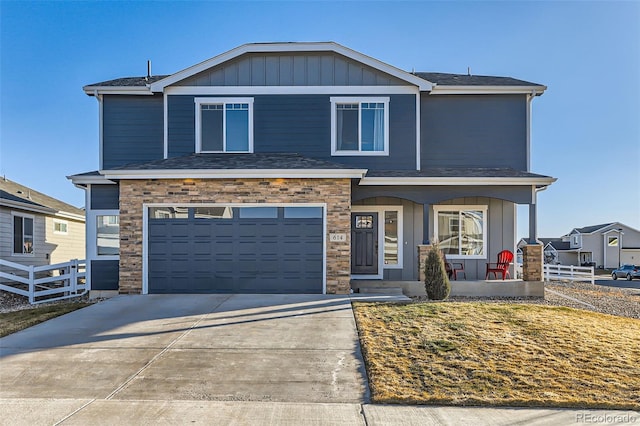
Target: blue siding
[133, 129]
[302, 124]
[104, 274]
[473, 131]
[105, 197]
[181, 128]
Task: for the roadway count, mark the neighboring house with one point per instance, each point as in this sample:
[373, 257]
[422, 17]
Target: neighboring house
[605, 246]
[36, 229]
[298, 167]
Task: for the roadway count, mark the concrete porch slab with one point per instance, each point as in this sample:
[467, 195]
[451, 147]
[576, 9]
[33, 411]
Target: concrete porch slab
[480, 288]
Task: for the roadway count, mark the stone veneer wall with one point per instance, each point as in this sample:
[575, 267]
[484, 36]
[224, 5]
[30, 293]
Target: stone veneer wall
[423, 252]
[532, 262]
[335, 192]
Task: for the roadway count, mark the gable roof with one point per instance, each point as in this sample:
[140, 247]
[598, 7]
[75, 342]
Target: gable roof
[556, 243]
[591, 229]
[15, 195]
[442, 83]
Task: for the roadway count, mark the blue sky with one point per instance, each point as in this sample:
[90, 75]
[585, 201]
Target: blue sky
[586, 127]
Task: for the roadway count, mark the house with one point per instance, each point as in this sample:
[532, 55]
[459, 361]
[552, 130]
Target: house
[299, 167]
[605, 246]
[36, 229]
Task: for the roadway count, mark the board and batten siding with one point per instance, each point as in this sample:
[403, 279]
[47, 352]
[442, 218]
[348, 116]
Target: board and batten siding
[473, 131]
[302, 124]
[292, 69]
[133, 129]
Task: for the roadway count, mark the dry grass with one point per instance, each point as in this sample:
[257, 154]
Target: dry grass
[500, 354]
[11, 322]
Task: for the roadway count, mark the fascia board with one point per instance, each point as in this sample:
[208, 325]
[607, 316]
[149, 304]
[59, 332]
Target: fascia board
[159, 85]
[90, 180]
[235, 174]
[450, 181]
[487, 90]
[72, 216]
[119, 90]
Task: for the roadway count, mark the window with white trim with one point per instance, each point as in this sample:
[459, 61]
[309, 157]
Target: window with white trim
[612, 241]
[60, 227]
[359, 126]
[224, 124]
[22, 234]
[462, 231]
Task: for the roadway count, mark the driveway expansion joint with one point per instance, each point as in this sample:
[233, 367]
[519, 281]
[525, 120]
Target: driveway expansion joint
[163, 351]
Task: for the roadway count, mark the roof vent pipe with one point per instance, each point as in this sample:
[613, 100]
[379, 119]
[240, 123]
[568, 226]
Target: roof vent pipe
[148, 69]
[469, 71]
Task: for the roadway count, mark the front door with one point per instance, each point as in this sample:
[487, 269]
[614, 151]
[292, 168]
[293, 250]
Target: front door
[364, 243]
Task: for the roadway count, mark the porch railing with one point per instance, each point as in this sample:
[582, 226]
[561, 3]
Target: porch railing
[569, 273]
[44, 283]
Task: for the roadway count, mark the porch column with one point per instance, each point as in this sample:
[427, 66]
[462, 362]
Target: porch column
[532, 263]
[533, 218]
[425, 224]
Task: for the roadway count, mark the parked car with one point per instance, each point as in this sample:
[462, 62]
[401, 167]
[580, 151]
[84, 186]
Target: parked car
[627, 271]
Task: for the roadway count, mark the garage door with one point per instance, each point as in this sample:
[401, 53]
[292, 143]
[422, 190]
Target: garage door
[235, 250]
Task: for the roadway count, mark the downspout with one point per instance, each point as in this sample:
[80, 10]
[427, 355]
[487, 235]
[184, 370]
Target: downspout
[530, 97]
[100, 127]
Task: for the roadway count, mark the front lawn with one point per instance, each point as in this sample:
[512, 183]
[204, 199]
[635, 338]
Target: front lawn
[499, 354]
[11, 322]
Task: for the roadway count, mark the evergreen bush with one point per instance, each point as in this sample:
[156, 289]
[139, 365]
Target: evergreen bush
[436, 280]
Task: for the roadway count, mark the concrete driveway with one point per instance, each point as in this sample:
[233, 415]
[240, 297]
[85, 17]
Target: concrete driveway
[268, 348]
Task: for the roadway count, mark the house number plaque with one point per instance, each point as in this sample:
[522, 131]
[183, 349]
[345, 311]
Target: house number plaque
[337, 237]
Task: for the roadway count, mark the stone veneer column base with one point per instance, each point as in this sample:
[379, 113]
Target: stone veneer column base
[532, 262]
[423, 251]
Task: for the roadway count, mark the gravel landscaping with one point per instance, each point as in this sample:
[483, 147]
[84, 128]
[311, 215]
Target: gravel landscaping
[607, 300]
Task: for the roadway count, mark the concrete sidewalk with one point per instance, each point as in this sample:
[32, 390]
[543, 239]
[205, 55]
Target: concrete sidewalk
[116, 412]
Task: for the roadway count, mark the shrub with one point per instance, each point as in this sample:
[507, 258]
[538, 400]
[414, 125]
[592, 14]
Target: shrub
[436, 281]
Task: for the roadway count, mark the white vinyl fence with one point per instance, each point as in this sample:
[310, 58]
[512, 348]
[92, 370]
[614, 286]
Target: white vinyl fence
[568, 273]
[44, 283]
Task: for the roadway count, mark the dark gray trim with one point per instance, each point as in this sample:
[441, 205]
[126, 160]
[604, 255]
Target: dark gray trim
[105, 197]
[105, 274]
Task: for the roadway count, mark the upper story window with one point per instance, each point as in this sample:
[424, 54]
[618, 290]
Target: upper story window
[224, 124]
[60, 227]
[22, 234]
[359, 126]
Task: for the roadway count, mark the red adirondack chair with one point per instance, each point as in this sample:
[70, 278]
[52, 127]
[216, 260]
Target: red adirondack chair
[502, 266]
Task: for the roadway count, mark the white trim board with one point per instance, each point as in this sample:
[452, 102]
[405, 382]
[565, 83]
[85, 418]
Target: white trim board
[466, 181]
[234, 174]
[289, 90]
[380, 209]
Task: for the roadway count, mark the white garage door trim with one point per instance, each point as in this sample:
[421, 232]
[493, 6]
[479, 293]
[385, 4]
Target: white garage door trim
[145, 231]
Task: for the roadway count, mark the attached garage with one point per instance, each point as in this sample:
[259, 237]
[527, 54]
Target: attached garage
[235, 249]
